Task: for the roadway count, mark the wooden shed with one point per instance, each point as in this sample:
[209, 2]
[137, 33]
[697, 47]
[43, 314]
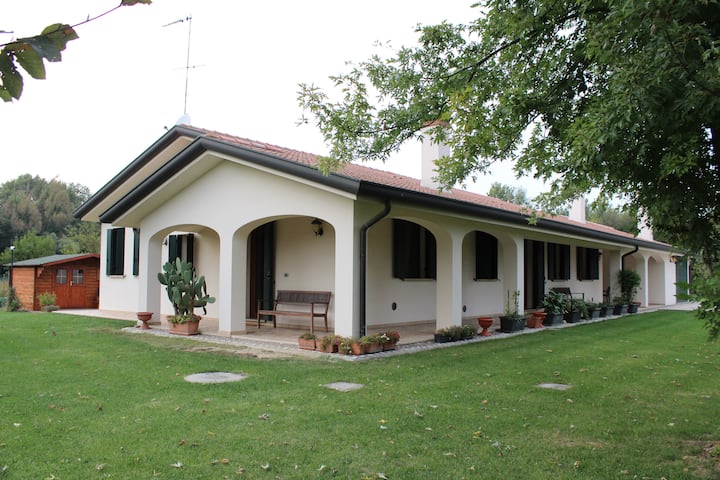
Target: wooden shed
[73, 278]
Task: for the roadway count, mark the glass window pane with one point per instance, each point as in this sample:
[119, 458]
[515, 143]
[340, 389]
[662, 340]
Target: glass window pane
[61, 276]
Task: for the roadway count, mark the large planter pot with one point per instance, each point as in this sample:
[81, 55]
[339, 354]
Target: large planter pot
[510, 324]
[572, 317]
[633, 307]
[485, 323]
[389, 346]
[186, 328]
[605, 311]
[372, 347]
[553, 319]
[595, 313]
[442, 338]
[620, 309]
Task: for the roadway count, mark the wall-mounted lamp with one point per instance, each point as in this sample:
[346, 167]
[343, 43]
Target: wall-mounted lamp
[317, 226]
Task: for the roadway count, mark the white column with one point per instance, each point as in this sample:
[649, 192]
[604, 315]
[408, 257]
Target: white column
[344, 304]
[232, 292]
[150, 290]
[449, 280]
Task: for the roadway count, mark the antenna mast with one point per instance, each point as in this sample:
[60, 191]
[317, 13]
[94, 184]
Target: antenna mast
[187, 58]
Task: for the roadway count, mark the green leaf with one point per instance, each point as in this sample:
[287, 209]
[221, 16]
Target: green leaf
[44, 47]
[12, 81]
[29, 59]
[59, 35]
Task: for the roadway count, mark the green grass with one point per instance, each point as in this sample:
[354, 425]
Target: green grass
[80, 399]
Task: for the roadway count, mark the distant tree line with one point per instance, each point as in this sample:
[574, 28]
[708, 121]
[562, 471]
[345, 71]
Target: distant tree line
[598, 212]
[36, 215]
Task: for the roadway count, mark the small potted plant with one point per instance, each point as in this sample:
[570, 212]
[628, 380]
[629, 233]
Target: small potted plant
[619, 306]
[345, 345]
[328, 343]
[389, 339]
[575, 310]
[593, 310]
[186, 291]
[512, 321]
[306, 341]
[629, 282]
[554, 306]
[606, 309]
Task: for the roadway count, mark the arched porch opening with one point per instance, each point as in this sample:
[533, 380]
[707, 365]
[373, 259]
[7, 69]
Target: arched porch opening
[288, 253]
[196, 244]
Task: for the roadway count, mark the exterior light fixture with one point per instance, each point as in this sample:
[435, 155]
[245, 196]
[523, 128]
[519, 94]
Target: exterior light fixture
[317, 226]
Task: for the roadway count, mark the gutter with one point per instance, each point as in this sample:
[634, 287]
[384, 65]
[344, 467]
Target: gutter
[363, 264]
[458, 206]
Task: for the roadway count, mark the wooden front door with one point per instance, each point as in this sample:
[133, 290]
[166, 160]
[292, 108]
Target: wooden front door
[262, 267]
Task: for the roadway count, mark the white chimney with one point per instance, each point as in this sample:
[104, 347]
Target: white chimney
[431, 152]
[577, 210]
[646, 232]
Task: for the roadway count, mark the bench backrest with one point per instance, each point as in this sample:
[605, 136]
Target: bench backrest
[302, 297]
[563, 290]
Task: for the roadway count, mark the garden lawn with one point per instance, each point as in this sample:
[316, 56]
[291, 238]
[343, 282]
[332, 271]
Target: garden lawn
[81, 399]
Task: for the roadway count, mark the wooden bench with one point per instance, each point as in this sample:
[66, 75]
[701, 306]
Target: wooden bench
[566, 291]
[317, 304]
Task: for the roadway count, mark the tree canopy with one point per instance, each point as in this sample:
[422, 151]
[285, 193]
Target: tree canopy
[619, 96]
[36, 215]
[516, 195]
[30, 53]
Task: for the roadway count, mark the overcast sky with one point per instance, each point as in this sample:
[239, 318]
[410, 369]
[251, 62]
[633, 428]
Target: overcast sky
[123, 81]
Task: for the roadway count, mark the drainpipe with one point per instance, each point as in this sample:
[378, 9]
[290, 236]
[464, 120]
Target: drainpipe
[363, 262]
[622, 259]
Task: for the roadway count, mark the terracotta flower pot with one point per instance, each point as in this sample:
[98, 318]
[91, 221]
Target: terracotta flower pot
[536, 320]
[306, 343]
[187, 328]
[144, 318]
[485, 323]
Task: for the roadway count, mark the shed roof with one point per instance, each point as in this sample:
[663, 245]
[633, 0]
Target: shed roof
[54, 260]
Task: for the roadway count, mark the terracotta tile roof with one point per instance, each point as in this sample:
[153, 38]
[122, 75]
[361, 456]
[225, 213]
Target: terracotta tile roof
[395, 180]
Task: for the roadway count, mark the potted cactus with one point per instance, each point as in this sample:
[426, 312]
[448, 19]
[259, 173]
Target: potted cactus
[186, 291]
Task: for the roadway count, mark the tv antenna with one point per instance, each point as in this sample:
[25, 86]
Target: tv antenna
[187, 19]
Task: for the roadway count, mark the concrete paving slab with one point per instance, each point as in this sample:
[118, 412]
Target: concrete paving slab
[344, 386]
[215, 377]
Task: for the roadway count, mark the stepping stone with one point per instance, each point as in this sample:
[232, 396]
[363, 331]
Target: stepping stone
[554, 386]
[215, 377]
[344, 386]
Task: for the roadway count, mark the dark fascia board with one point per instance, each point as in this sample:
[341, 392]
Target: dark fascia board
[449, 204]
[203, 144]
[160, 144]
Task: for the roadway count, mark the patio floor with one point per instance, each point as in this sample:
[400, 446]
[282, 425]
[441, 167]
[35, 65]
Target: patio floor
[413, 338]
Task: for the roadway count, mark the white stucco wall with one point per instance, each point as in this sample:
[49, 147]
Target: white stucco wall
[118, 292]
[414, 299]
[231, 197]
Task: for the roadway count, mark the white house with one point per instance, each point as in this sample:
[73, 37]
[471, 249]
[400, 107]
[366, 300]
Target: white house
[393, 250]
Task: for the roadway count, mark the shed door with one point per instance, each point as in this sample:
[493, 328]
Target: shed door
[70, 287]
